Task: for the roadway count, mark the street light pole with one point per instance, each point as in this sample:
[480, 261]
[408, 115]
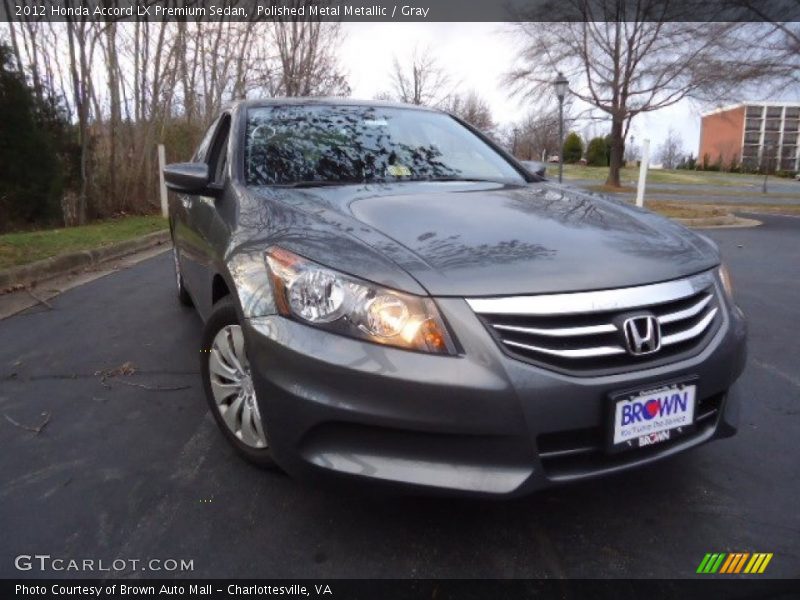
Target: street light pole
[560, 140]
[562, 85]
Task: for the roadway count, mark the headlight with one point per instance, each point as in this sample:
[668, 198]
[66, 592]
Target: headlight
[725, 278]
[342, 304]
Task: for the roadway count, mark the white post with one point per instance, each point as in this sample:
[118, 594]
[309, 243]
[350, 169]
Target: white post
[161, 164]
[643, 173]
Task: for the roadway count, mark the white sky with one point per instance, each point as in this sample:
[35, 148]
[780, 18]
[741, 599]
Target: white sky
[476, 55]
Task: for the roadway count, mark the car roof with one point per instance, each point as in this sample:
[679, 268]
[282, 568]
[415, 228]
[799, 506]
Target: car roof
[324, 101]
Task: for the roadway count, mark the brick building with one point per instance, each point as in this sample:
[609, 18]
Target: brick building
[752, 134]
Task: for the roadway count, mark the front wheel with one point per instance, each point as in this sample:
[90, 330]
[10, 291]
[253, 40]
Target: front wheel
[229, 387]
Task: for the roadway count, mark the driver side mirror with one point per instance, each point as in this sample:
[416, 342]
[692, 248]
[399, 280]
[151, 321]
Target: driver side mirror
[535, 167]
[187, 178]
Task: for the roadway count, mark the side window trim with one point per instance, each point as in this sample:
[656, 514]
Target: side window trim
[219, 149]
[205, 143]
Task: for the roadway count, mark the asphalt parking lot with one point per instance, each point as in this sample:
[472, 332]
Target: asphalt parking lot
[138, 469]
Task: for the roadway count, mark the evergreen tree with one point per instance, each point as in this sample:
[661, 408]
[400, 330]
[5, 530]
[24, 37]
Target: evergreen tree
[597, 152]
[30, 170]
[573, 148]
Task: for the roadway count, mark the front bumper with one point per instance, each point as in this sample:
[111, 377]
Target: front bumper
[480, 422]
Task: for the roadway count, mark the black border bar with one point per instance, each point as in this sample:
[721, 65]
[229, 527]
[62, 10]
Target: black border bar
[733, 588]
[402, 10]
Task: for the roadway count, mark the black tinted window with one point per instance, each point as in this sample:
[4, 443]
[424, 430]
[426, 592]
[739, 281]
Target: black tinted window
[357, 144]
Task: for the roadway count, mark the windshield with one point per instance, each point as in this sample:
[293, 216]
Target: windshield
[360, 144]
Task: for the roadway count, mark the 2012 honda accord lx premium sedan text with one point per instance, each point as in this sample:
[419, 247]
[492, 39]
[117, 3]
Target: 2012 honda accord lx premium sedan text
[388, 295]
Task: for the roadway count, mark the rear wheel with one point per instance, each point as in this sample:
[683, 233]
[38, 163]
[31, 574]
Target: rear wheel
[228, 384]
[183, 296]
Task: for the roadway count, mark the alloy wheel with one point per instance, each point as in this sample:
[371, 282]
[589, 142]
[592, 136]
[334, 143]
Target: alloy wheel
[232, 387]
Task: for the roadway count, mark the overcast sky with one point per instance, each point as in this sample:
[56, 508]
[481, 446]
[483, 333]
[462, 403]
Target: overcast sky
[476, 55]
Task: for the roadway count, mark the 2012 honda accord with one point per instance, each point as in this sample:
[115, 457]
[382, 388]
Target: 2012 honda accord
[388, 295]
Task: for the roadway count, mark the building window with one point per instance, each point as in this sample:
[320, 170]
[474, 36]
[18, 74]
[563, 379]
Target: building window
[750, 149]
[750, 163]
[753, 125]
[772, 137]
[792, 112]
[752, 137]
[753, 112]
[774, 112]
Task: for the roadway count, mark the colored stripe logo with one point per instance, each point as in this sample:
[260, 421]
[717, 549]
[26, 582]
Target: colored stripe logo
[734, 563]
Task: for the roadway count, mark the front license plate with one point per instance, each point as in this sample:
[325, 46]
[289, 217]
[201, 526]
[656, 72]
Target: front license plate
[652, 416]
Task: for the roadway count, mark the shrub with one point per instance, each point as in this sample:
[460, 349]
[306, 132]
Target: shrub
[597, 152]
[573, 148]
[31, 176]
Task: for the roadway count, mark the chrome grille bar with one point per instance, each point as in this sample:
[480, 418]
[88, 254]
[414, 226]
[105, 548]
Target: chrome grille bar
[582, 330]
[687, 313]
[571, 353]
[598, 301]
[692, 332]
[560, 331]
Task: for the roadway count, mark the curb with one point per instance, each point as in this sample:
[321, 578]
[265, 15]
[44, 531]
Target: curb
[723, 221]
[40, 270]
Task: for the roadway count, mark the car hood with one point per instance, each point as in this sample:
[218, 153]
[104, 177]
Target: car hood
[483, 239]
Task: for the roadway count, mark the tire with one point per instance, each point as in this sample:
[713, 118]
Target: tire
[183, 296]
[231, 397]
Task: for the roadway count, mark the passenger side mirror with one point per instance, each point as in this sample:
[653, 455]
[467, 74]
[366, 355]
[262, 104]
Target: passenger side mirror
[535, 167]
[188, 178]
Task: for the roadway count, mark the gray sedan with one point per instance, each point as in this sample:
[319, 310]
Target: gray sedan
[389, 296]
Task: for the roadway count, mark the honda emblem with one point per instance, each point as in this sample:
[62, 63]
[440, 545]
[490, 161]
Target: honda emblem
[642, 335]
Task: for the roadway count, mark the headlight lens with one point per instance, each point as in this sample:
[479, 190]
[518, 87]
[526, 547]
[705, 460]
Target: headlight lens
[386, 316]
[317, 296]
[725, 278]
[342, 304]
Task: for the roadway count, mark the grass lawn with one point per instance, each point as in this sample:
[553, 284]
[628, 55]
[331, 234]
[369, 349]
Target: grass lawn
[30, 246]
[630, 175]
[693, 192]
[686, 211]
[694, 210]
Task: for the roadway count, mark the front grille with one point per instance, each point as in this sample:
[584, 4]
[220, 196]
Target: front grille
[581, 333]
[580, 452]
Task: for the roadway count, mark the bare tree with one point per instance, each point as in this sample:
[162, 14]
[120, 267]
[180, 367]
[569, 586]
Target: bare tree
[308, 60]
[536, 135]
[473, 109]
[776, 42]
[671, 150]
[420, 80]
[81, 39]
[128, 86]
[632, 152]
[630, 57]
